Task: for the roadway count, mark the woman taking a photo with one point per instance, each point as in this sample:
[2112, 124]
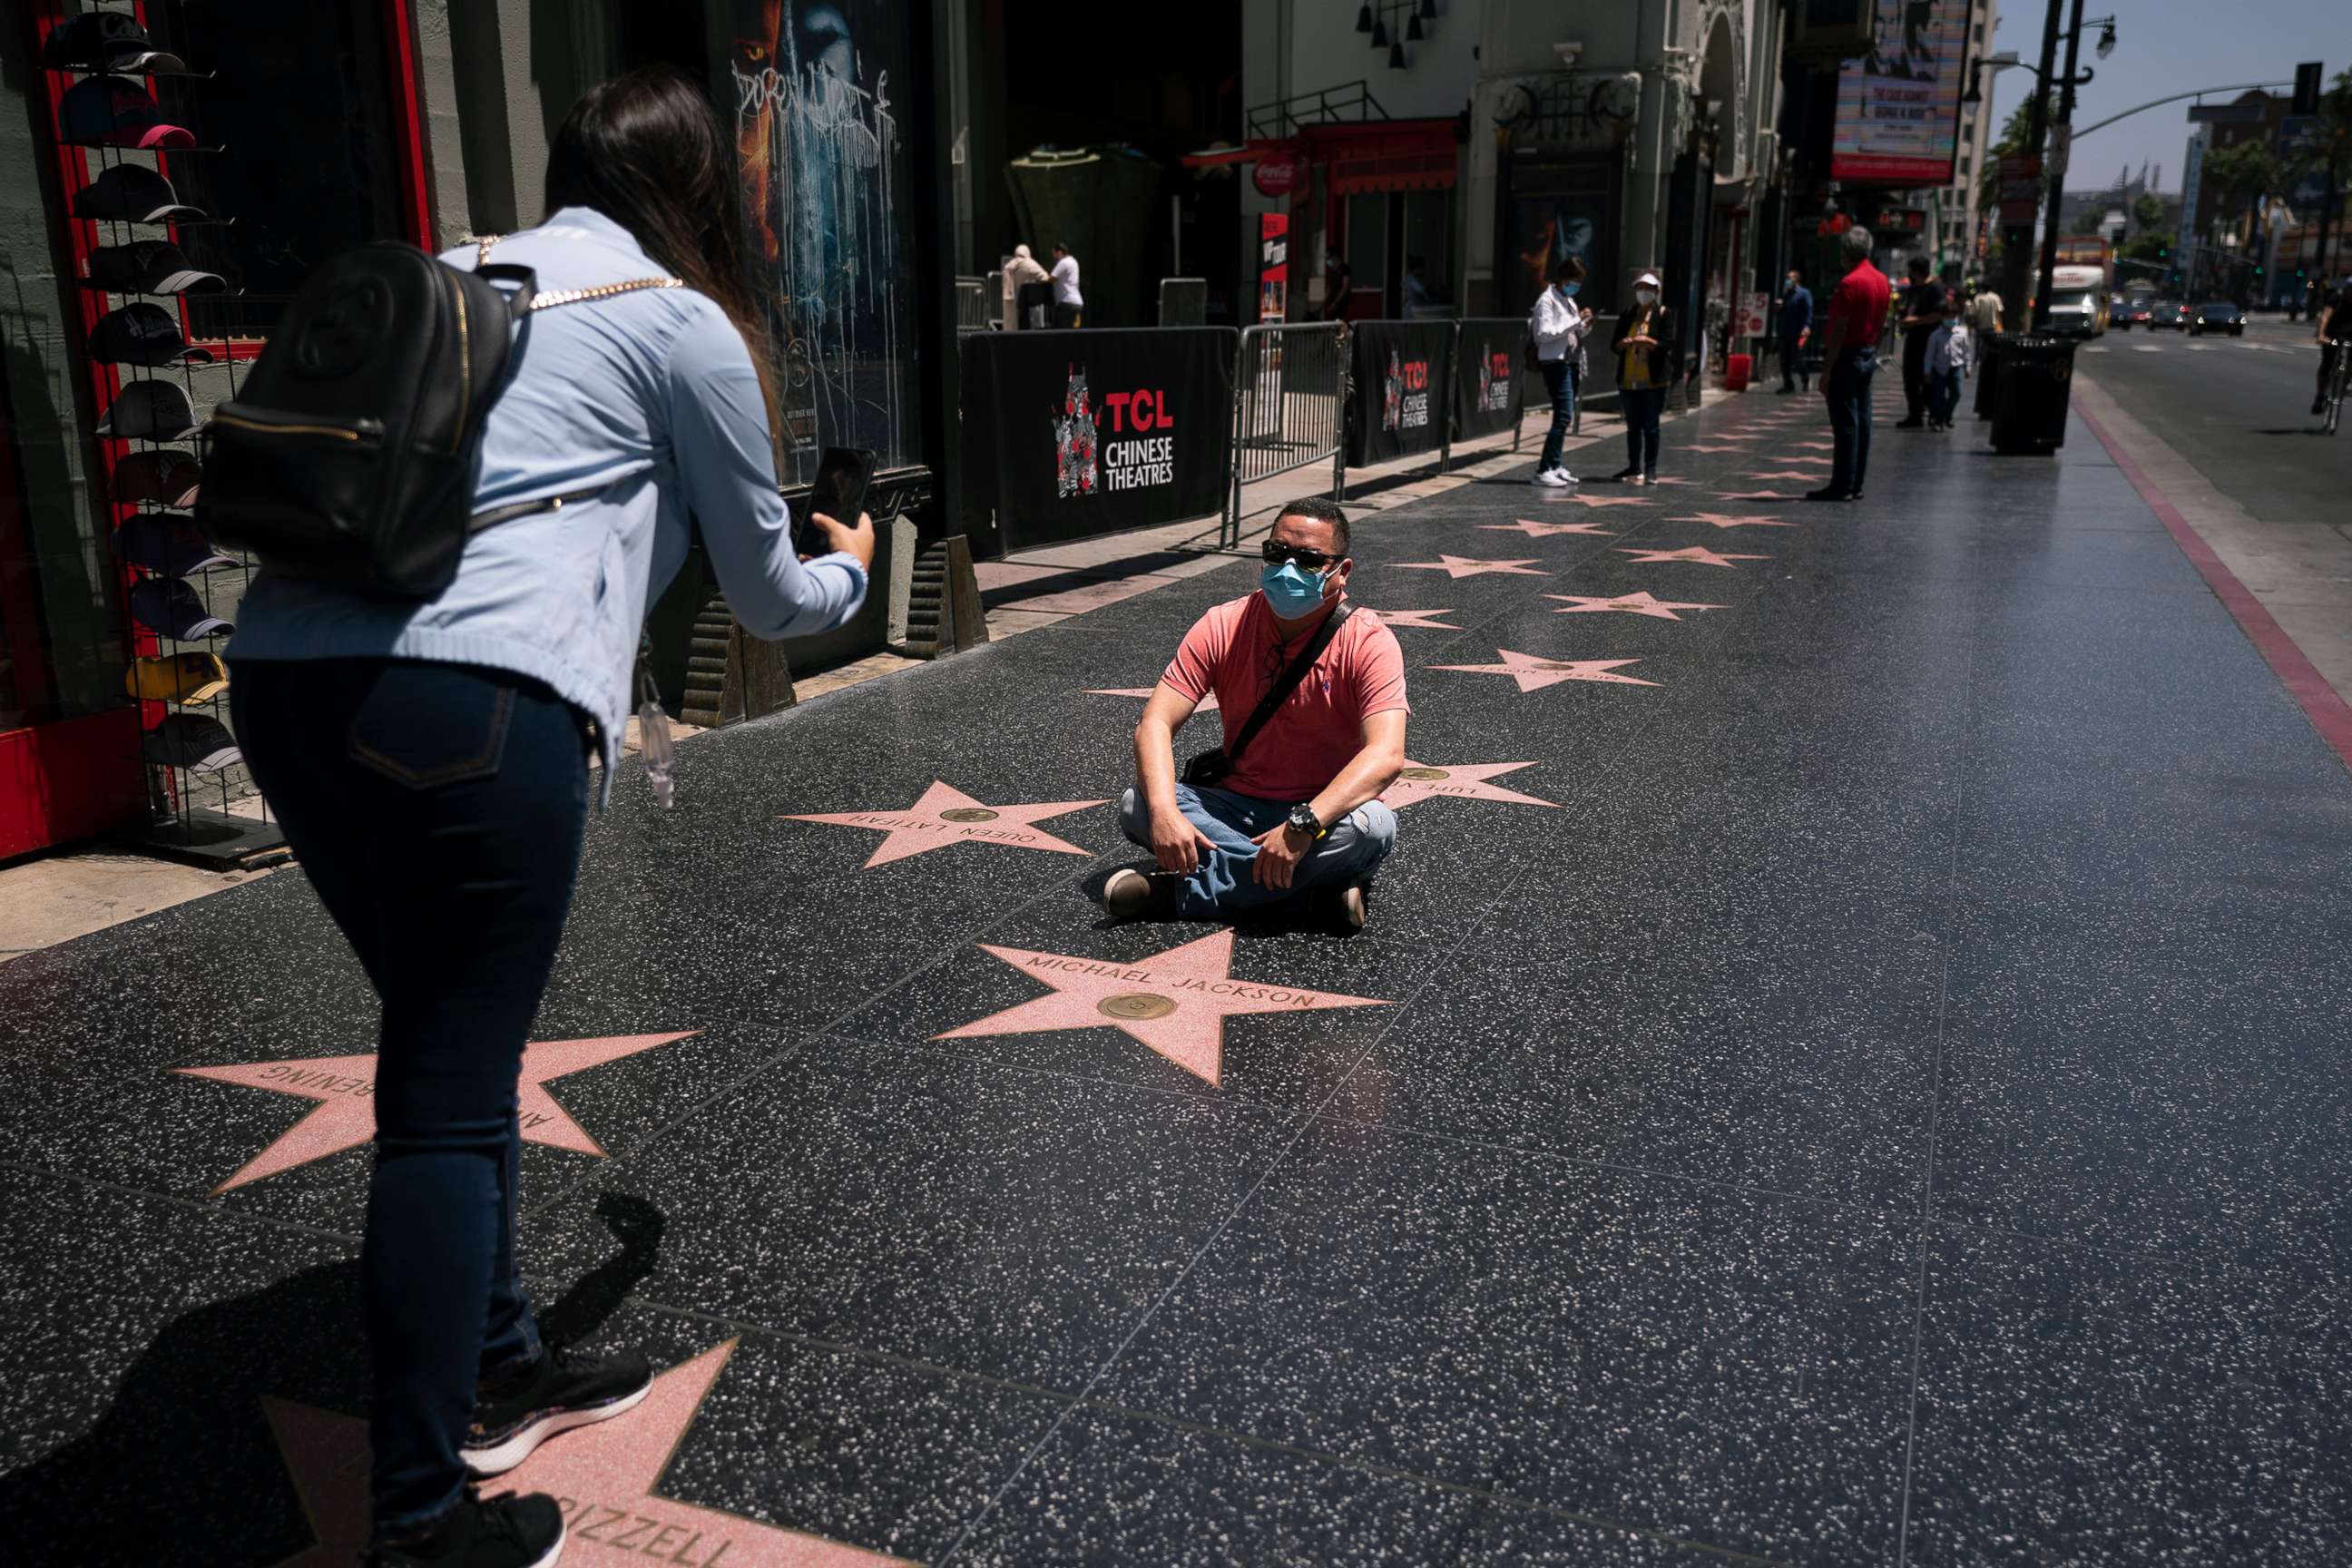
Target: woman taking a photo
[1644, 369]
[1558, 328]
[429, 763]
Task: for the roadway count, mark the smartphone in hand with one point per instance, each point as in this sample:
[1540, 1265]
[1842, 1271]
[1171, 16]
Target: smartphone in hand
[842, 475]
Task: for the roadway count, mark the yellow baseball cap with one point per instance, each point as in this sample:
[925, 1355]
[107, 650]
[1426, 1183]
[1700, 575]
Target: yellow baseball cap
[189, 677]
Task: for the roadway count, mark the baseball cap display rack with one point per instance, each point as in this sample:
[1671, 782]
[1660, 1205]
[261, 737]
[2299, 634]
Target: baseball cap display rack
[144, 373]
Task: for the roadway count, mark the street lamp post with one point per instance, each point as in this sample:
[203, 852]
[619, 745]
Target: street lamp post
[2066, 84]
[2016, 258]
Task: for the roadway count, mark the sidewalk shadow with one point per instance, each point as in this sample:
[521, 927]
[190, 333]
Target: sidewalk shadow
[183, 1468]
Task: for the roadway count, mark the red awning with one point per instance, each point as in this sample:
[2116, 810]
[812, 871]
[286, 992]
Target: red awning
[1386, 154]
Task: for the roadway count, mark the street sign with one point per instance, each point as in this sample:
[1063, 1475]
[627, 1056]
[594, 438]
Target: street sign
[2021, 189]
[2307, 88]
[2060, 137]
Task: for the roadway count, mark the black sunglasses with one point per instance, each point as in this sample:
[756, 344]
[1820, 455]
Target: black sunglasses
[1309, 559]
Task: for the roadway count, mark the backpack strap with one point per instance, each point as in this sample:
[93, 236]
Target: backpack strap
[1279, 692]
[530, 301]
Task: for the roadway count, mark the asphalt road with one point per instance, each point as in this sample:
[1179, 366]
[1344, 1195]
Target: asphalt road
[2238, 408]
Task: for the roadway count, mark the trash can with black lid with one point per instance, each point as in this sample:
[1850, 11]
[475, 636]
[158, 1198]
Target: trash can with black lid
[2028, 413]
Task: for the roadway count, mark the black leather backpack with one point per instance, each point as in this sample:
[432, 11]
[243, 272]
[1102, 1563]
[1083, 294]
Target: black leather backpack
[347, 455]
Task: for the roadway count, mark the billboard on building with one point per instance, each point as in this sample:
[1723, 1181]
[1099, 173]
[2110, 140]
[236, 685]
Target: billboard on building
[1898, 108]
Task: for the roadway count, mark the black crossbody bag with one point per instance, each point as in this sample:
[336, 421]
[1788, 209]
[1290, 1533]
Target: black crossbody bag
[1213, 766]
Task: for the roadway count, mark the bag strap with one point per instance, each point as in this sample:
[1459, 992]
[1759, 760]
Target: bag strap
[529, 302]
[1279, 692]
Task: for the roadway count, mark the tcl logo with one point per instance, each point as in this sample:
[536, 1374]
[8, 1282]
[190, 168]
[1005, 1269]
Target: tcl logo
[1416, 375]
[1139, 411]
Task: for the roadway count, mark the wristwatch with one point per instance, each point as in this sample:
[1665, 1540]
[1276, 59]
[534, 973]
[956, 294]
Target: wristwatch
[1304, 820]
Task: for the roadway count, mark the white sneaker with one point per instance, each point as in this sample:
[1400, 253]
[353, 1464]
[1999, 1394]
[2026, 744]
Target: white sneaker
[1549, 478]
[1562, 474]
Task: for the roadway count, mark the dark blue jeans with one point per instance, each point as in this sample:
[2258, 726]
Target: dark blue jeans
[438, 809]
[1559, 380]
[1847, 389]
[1643, 407]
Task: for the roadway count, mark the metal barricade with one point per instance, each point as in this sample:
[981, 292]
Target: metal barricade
[1290, 403]
[1184, 301]
[971, 297]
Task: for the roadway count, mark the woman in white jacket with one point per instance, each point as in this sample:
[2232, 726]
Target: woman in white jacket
[1560, 325]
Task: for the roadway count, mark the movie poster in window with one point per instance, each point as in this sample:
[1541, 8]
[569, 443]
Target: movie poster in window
[814, 89]
[1558, 209]
[1898, 107]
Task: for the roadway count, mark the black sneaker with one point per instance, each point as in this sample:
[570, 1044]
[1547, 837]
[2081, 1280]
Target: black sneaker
[1827, 492]
[2319, 403]
[562, 1389]
[504, 1532]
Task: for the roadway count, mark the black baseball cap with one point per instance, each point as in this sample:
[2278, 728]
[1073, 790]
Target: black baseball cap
[149, 267]
[132, 192]
[167, 544]
[143, 334]
[156, 410]
[105, 41]
[115, 112]
[197, 741]
[168, 478]
[169, 607]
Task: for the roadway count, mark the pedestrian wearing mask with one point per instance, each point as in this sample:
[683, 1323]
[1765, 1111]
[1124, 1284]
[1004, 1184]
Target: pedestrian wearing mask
[1020, 273]
[429, 765]
[1558, 327]
[1850, 330]
[1644, 369]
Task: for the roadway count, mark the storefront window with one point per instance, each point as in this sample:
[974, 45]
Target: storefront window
[813, 92]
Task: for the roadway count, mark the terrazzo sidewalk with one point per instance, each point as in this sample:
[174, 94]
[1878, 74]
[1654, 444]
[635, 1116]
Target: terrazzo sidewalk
[1846, 1066]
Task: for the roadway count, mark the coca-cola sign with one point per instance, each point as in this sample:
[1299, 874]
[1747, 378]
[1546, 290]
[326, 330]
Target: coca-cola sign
[1278, 171]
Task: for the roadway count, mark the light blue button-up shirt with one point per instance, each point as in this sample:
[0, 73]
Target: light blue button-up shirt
[650, 396]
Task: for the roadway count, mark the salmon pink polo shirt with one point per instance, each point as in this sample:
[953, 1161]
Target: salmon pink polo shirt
[1233, 651]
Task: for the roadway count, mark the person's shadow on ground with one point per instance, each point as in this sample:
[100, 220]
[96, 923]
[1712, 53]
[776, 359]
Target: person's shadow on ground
[182, 1468]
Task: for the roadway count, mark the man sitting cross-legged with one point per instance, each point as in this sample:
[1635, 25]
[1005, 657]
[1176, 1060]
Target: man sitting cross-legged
[1299, 815]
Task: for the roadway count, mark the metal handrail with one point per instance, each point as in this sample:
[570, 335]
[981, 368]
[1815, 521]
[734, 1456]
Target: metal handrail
[1280, 117]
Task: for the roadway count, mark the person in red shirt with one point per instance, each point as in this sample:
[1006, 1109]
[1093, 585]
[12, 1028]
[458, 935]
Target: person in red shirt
[1299, 815]
[1849, 332]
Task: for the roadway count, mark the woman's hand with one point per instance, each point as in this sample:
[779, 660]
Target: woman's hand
[856, 541]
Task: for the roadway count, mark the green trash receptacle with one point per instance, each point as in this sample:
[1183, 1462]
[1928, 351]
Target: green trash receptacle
[2037, 374]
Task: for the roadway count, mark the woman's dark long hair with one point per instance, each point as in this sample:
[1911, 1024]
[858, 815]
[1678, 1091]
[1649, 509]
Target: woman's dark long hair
[647, 150]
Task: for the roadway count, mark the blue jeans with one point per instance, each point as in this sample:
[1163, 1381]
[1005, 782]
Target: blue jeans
[438, 809]
[1847, 389]
[1220, 888]
[1792, 356]
[1642, 406]
[1559, 380]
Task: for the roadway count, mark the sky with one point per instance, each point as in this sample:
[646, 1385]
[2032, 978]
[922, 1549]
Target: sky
[2165, 47]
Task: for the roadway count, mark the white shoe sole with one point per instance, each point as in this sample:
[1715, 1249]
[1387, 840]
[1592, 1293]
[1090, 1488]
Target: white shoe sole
[555, 1552]
[1550, 481]
[503, 1457]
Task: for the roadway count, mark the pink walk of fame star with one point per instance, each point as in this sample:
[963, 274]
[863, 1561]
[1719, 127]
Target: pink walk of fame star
[1175, 1002]
[1817, 446]
[1694, 554]
[945, 817]
[1462, 781]
[602, 1478]
[1533, 674]
[1426, 619]
[1473, 566]
[1735, 520]
[1715, 445]
[1582, 500]
[1784, 474]
[1534, 529]
[1208, 704]
[1756, 495]
[345, 1089]
[1641, 603]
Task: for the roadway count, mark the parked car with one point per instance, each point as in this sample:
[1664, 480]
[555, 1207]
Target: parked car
[2135, 313]
[2217, 316]
[2168, 314]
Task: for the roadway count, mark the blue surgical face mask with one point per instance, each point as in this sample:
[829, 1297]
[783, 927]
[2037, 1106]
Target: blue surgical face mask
[1570, 289]
[1293, 592]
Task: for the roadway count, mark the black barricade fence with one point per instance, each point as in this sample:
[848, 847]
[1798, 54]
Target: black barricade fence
[1487, 396]
[1073, 433]
[1401, 400]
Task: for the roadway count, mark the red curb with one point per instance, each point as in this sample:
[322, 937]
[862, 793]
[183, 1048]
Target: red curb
[2328, 712]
